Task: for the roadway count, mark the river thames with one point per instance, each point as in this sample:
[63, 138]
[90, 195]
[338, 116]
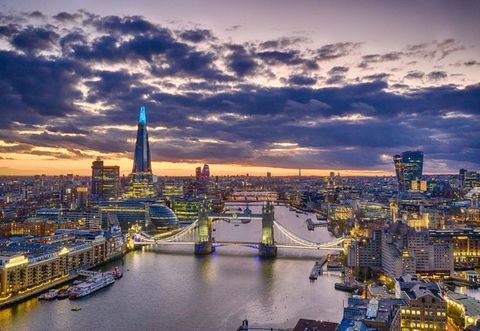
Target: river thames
[168, 289]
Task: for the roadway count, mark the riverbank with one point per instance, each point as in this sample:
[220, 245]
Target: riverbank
[51, 284]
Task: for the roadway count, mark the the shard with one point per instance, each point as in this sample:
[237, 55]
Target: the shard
[141, 179]
[142, 161]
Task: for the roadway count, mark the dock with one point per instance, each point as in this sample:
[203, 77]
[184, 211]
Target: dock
[317, 268]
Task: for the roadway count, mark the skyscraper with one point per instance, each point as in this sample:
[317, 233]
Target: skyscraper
[142, 161]
[105, 181]
[206, 172]
[141, 178]
[408, 167]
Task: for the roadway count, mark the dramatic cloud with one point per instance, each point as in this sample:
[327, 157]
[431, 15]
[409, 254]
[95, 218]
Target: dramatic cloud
[71, 85]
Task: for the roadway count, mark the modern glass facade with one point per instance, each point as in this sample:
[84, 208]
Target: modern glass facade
[128, 212]
[141, 178]
[142, 161]
[162, 217]
[408, 167]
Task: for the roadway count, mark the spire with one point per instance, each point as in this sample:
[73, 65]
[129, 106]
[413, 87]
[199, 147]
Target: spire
[142, 117]
[141, 161]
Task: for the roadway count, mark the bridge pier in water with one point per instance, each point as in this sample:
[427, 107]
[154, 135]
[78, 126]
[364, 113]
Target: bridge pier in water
[204, 244]
[267, 247]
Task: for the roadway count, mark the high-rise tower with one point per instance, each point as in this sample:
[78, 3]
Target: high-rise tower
[142, 161]
[141, 178]
[408, 167]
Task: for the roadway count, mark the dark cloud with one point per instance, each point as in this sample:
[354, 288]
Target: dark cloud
[335, 79]
[284, 42]
[33, 39]
[125, 25]
[379, 58]
[415, 74]
[379, 76]
[301, 80]
[240, 62]
[437, 75]
[471, 63]
[33, 89]
[196, 36]
[334, 51]
[66, 17]
[338, 70]
[434, 50]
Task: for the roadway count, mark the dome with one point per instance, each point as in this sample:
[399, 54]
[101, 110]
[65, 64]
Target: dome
[162, 217]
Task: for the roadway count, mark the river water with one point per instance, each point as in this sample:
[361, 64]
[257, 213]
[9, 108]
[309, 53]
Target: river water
[171, 289]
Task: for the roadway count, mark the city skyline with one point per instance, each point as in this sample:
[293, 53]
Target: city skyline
[272, 93]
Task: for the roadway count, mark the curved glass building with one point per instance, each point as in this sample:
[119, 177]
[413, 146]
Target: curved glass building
[162, 217]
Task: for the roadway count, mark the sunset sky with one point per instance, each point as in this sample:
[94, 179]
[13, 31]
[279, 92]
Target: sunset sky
[246, 86]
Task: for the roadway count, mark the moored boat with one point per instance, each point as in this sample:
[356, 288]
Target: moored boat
[95, 283]
[48, 296]
[346, 287]
[62, 294]
[117, 273]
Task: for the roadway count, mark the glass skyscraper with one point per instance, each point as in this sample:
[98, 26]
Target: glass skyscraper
[141, 178]
[408, 167]
[142, 161]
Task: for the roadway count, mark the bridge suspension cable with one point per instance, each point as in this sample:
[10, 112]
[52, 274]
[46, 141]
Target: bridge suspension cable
[306, 243]
[181, 235]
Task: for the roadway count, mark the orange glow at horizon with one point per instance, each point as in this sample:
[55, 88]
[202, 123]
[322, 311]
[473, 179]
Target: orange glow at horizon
[36, 166]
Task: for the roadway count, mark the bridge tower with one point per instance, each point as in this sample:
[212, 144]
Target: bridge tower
[204, 244]
[267, 247]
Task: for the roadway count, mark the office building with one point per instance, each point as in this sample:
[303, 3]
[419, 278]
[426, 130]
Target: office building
[469, 179]
[408, 167]
[82, 197]
[105, 181]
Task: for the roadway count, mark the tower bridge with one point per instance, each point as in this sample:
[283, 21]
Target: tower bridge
[273, 234]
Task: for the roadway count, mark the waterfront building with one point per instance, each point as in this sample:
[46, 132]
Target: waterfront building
[408, 167]
[128, 211]
[161, 217]
[424, 308]
[141, 179]
[371, 314]
[105, 181]
[468, 306]
[147, 213]
[30, 265]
